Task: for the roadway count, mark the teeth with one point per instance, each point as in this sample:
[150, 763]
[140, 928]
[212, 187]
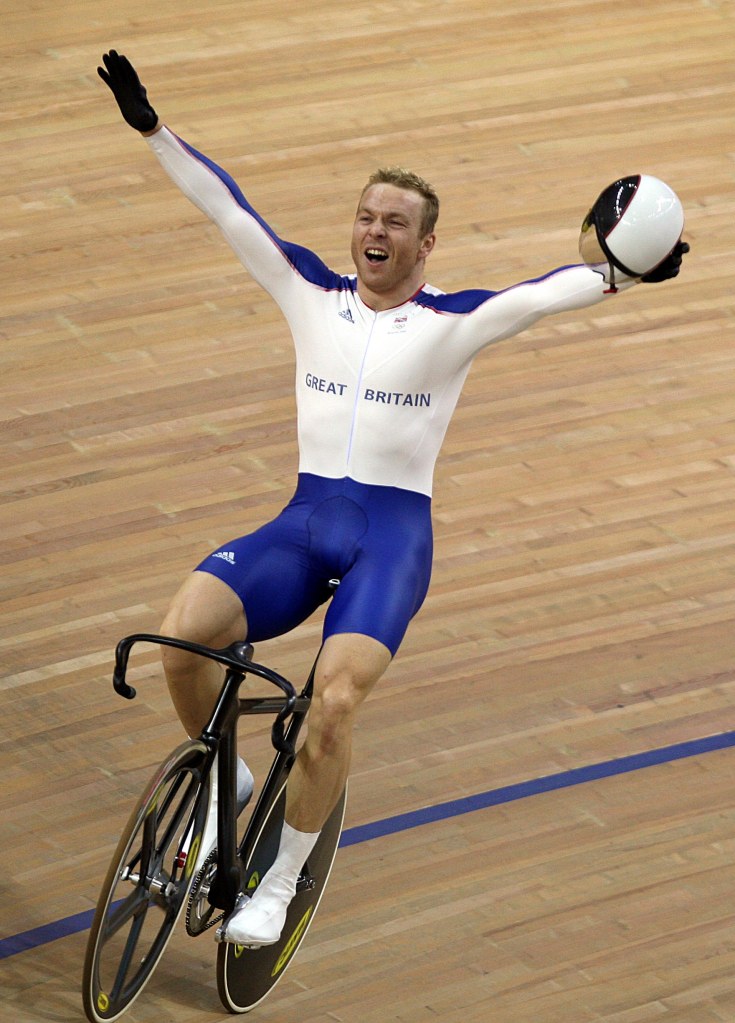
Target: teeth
[376, 254]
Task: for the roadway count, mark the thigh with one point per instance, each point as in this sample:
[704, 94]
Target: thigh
[205, 610]
[272, 575]
[385, 586]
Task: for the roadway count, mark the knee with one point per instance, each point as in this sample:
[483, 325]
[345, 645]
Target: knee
[178, 665]
[179, 623]
[182, 621]
[332, 715]
[204, 611]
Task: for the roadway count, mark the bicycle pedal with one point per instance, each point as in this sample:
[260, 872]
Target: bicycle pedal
[220, 933]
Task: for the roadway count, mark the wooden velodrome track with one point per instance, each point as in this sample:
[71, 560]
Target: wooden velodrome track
[584, 586]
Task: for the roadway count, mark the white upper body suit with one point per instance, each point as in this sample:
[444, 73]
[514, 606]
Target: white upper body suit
[375, 390]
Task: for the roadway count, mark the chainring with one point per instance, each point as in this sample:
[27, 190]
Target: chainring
[200, 913]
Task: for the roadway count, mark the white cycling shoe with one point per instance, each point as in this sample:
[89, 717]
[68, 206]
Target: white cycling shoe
[262, 917]
[259, 920]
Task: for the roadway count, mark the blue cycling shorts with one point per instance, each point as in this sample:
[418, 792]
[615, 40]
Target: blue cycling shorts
[377, 541]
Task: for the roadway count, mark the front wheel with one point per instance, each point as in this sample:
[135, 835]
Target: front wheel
[147, 883]
[246, 975]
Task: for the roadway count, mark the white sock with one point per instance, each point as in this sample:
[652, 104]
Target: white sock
[293, 852]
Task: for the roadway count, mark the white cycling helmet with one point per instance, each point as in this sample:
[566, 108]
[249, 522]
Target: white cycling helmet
[633, 224]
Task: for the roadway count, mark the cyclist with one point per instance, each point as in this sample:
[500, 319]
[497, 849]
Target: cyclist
[381, 358]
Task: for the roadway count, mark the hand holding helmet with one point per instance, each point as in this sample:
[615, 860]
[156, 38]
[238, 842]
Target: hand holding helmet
[670, 266]
[635, 225]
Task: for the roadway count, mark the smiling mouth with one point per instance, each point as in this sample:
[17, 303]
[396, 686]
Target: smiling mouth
[376, 255]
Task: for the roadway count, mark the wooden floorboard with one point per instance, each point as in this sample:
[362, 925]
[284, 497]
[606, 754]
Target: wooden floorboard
[582, 600]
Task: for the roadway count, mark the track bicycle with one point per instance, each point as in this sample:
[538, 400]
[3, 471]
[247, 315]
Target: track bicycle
[162, 867]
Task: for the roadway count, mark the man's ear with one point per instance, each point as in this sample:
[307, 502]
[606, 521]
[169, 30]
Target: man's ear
[427, 245]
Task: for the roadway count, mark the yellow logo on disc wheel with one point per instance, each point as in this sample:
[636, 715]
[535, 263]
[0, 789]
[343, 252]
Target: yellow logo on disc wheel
[292, 942]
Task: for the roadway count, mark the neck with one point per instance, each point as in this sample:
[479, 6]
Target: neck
[380, 301]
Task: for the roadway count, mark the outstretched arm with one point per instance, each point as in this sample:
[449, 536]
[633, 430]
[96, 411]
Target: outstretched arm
[506, 313]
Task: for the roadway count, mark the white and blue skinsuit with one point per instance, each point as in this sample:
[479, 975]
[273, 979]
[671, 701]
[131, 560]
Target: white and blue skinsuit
[375, 392]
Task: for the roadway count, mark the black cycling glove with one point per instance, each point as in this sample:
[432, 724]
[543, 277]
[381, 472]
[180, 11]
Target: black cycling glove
[670, 266]
[128, 91]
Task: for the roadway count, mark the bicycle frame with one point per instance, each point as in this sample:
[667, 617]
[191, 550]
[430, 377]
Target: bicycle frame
[220, 737]
[160, 866]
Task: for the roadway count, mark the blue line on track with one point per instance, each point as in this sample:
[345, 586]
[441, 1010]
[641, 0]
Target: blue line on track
[552, 782]
[442, 811]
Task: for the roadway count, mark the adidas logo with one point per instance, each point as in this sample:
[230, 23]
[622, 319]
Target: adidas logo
[226, 556]
[346, 315]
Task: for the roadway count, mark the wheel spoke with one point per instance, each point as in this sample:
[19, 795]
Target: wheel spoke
[175, 824]
[123, 911]
[128, 953]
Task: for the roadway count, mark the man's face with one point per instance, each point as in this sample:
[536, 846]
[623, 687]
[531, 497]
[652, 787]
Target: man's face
[388, 248]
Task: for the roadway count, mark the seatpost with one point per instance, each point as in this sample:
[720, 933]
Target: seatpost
[226, 708]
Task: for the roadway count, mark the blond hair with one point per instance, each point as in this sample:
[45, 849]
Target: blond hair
[402, 178]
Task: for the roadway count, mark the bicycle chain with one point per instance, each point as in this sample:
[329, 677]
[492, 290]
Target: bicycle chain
[198, 923]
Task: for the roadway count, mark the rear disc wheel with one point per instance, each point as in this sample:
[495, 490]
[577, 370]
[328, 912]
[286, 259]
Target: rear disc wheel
[246, 975]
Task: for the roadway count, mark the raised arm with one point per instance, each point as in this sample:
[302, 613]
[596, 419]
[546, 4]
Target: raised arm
[279, 267]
